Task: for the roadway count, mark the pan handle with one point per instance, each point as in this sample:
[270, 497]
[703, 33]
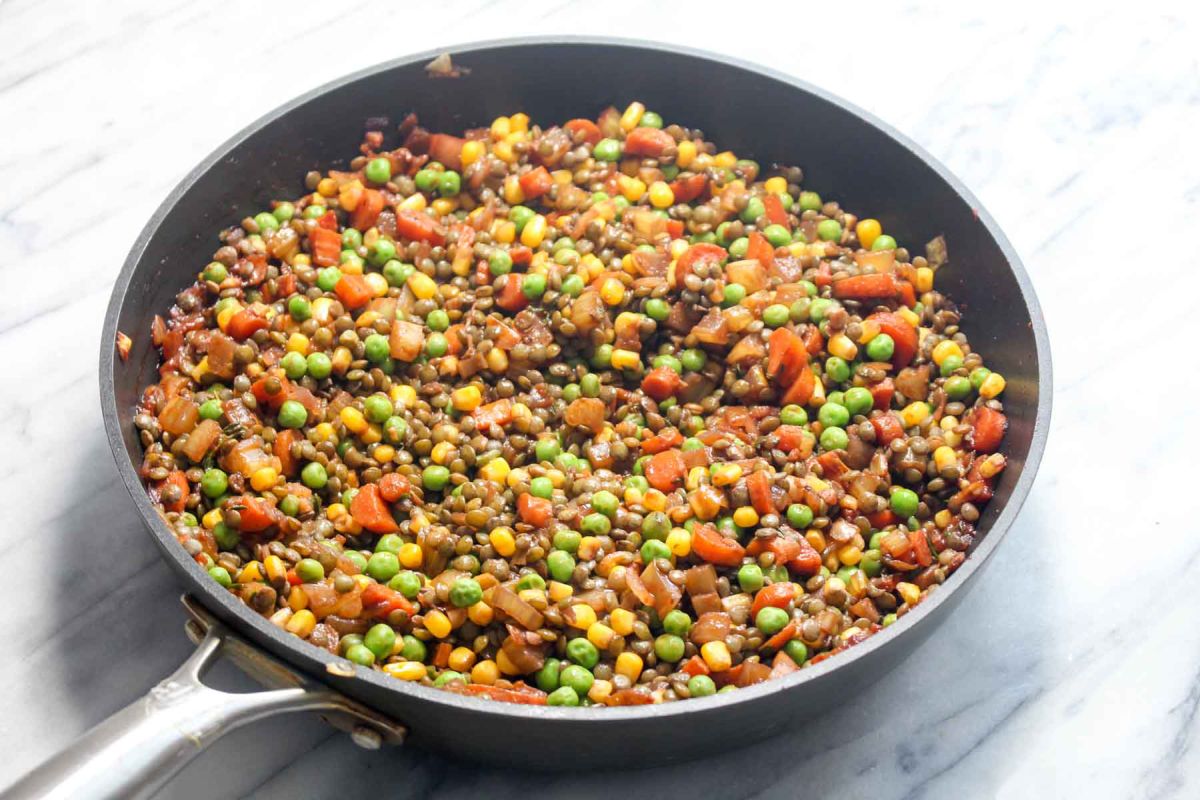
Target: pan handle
[138, 749]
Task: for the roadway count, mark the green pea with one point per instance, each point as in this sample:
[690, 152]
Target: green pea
[436, 345]
[677, 622]
[753, 210]
[799, 516]
[351, 239]
[858, 400]
[883, 242]
[397, 272]
[413, 649]
[289, 505]
[214, 482]
[785, 200]
[294, 365]
[407, 583]
[607, 150]
[577, 678]
[379, 640]
[771, 620]
[750, 577]
[211, 409]
[605, 502]
[354, 557]
[221, 576]
[292, 414]
[547, 448]
[572, 285]
[650, 119]
[568, 462]
[904, 502]
[778, 235]
[266, 221]
[691, 443]
[810, 201]
[733, 294]
[520, 216]
[383, 566]
[448, 676]
[435, 477]
[818, 308]
[426, 180]
[871, 563]
[379, 170]
[656, 525]
[561, 565]
[534, 285]
[657, 309]
[227, 538]
[978, 376]
[589, 385]
[775, 316]
[328, 278]
[796, 650]
[829, 230]
[215, 272]
[669, 647]
[360, 654]
[834, 439]
[956, 386]
[562, 696]
[465, 592]
[669, 361]
[314, 212]
[313, 475]
[382, 252]
[547, 678]
[737, 249]
[541, 486]
[701, 686]
[833, 415]
[950, 365]
[351, 260]
[654, 548]
[881, 348]
[793, 415]
[319, 365]
[299, 308]
[837, 369]
[571, 392]
[284, 211]
[567, 540]
[583, 653]
[378, 407]
[376, 346]
[531, 580]
[500, 262]
[693, 359]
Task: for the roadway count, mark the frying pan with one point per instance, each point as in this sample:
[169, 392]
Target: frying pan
[846, 154]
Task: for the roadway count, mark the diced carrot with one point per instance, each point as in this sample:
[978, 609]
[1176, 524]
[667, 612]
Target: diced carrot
[665, 471]
[782, 665]
[760, 249]
[367, 211]
[585, 128]
[702, 251]
[877, 286]
[663, 440]
[784, 636]
[652, 142]
[495, 413]
[353, 290]
[887, 427]
[379, 601]
[326, 246]
[695, 666]
[987, 430]
[709, 545]
[661, 383]
[778, 595]
[689, 188]
[536, 511]
[511, 298]
[919, 543]
[535, 183]
[786, 356]
[441, 655]
[775, 211]
[881, 394]
[801, 389]
[393, 486]
[419, 227]
[369, 510]
[244, 323]
[758, 484]
[282, 448]
[808, 562]
[257, 514]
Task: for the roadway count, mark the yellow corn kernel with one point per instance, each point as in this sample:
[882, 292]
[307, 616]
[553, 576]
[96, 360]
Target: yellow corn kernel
[945, 349]
[725, 160]
[505, 665]
[472, 151]
[535, 597]
[485, 672]
[274, 567]
[302, 623]
[444, 205]
[437, 624]
[534, 231]
[442, 453]
[298, 343]
[716, 656]
[818, 395]
[600, 635]
[909, 592]
[495, 471]
[335, 510]
[850, 554]
[705, 504]
[461, 659]
[378, 283]
[406, 670]
[250, 573]
[519, 122]
[685, 154]
[745, 517]
[201, 370]
[212, 519]
[632, 116]
[600, 691]
[992, 386]
[423, 287]
[915, 413]
[944, 457]
[625, 359]
[632, 496]
[992, 465]
[588, 547]
[661, 195]
[280, 618]
[655, 500]
[414, 202]
[558, 478]
[513, 193]
[924, 279]
[622, 620]
[942, 518]
[480, 613]
[383, 453]
[630, 665]
[631, 189]
[468, 398]
[679, 542]
[815, 538]
[870, 329]
[776, 185]
[327, 187]
[353, 419]
[725, 474]
[868, 231]
[504, 232]
[501, 127]
[297, 598]
[411, 555]
[497, 360]
[695, 477]
[583, 616]
[562, 177]
[559, 591]
[504, 151]
[341, 360]
[909, 316]
[404, 395]
[324, 432]
[263, 478]
[841, 346]
[227, 313]
[679, 247]
[353, 267]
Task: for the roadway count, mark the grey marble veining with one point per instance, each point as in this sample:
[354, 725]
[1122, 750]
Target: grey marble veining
[1073, 668]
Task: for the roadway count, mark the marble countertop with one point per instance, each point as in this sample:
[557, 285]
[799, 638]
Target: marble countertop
[1072, 669]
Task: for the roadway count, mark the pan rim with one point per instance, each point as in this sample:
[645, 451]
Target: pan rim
[314, 661]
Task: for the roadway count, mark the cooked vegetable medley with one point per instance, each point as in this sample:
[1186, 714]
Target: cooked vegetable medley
[580, 415]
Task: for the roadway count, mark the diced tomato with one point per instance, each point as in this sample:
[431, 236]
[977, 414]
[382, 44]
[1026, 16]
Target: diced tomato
[283, 450]
[778, 595]
[663, 440]
[179, 480]
[709, 545]
[814, 342]
[919, 543]
[369, 510]
[379, 601]
[782, 664]
[365, 214]
[887, 428]
[695, 666]
[446, 149]
[675, 228]
[441, 656]
[353, 290]
[786, 356]
[776, 213]
[903, 334]
[801, 390]
[760, 249]
[520, 254]
[702, 251]
[326, 246]
[908, 294]
[832, 464]
[695, 458]
[511, 298]
[784, 636]
[808, 562]
[881, 519]
[824, 275]
[393, 486]
[328, 221]
[256, 513]
[498, 413]
[535, 183]
[665, 471]
[881, 394]
[536, 511]
[987, 430]
[758, 484]
[265, 398]
[585, 128]
[244, 323]
[419, 227]
[525, 695]
[661, 383]
[688, 189]
[793, 437]
[652, 142]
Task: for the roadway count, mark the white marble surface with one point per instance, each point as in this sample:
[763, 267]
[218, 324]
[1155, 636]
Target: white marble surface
[1072, 670]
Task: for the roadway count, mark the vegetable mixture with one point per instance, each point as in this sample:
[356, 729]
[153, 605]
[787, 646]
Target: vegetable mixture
[592, 414]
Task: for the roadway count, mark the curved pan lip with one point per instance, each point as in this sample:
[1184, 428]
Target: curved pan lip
[316, 659]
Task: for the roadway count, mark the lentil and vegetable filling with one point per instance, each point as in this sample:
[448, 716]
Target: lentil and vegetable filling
[592, 414]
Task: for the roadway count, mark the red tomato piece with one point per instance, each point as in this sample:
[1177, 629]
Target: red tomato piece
[663, 440]
[778, 595]
[758, 484]
[987, 430]
[881, 394]
[365, 214]
[760, 249]
[419, 227]
[536, 511]
[393, 486]
[535, 183]
[511, 298]
[584, 128]
[244, 323]
[776, 213]
[651, 142]
[887, 427]
[688, 189]
[661, 383]
[326, 246]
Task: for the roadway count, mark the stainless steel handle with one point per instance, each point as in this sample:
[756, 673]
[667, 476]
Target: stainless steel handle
[137, 750]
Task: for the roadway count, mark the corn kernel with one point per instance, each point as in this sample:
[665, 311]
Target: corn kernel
[250, 573]
[583, 616]
[633, 496]
[442, 453]
[404, 395]
[406, 670]
[870, 329]
[414, 202]
[495, 471]
[600, 691]
[622, 620]
[327, 187]
[945, 349]
[632, 116]
[504, 232]
[504, 151]
[298, 343]
[745, 517]
[944, 457]
[472, 151]
[818, 395]
[868, 231]
[943, 518]
[909, 316]
[377, 283]
[513, 193]
[264, 478]
[661, 195]
[655, 500]
[519, 122]
[352, 267]
[992, 465]
[437, 624]
[724, 160]
[485, 672]
[500, 128]
[534, 231]
[301, 623]
[227, 313]
[992, 386]
[915, 413]
[726, 474]
[849, 554]
[695, 477]
[625, 359]
[716, 655]
[600, 635]
[274, 567]
[423, 287]
[497, 360]
[558, 478]
[353, 419]
[212, 518]
[776, 185]
[297, 598]
[630, 665]
[280, 618]
[461, 659]
[201, 370]
[411, 555]
[631, 189]
[685, 154]
[909, 592]
[841, 346]
[924, 279]
[588, 547]
[679, 542]
[505, 665]
[815, 538]
[480, 613]
[334, 510]
[468, 398]
[444, 205]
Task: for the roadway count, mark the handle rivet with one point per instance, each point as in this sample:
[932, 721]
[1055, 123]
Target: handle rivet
[366, 738]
